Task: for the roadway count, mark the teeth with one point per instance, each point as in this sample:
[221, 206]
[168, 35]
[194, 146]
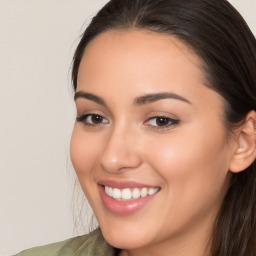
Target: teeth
[152, 191]
[129, 194]
[136, 193]
[117, 193]
[110, 191]
[144, 192]
[126, 194]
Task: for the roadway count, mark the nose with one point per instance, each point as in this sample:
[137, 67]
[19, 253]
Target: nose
[120, 151]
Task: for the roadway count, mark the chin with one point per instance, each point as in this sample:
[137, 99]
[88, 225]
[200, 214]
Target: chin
[123, 242]
[124, 238]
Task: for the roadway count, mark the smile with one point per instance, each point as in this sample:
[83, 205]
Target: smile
[125, 198]
[129, 193]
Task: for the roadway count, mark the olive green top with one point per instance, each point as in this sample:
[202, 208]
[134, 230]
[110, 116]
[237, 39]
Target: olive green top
[92, 244]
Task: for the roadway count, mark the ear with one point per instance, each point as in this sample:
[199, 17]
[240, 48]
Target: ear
[245, 146]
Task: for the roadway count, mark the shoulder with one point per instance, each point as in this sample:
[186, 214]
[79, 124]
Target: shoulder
[87, 245]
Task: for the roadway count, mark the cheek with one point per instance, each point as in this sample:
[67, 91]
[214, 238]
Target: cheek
[191, 162]
[83, 152]
[194, 171]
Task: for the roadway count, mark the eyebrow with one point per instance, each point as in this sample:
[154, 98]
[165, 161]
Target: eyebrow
[142, 100]
[152, 97]
[89, 96]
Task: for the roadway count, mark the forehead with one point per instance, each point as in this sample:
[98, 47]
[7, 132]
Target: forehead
[138, 51]
[137, 38]
[121, 65]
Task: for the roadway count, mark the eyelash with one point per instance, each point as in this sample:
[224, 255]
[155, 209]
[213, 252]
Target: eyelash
[170, 121]
[83, 119]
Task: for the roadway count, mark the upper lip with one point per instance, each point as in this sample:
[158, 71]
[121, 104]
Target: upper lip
[124, 184]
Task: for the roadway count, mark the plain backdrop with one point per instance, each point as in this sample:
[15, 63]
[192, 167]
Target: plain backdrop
[37, 40]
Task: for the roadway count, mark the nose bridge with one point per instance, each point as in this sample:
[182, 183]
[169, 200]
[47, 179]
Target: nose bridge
[119, 152]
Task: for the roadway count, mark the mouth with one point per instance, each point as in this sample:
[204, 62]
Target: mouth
[125, 198]
[128, 194]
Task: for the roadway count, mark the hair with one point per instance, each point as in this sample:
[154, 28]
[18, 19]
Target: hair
[222, 40]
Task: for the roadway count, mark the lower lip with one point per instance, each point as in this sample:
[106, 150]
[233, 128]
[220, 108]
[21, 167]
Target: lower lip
[123, 207]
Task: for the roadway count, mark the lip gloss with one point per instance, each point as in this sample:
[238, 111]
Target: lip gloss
[120, 207]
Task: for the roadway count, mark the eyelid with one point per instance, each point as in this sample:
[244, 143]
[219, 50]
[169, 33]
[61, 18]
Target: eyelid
[87, 107]
[83, 111]
[164, 117]
[82, 118]
[172, 121]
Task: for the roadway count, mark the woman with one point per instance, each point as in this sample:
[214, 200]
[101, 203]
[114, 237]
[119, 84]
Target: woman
[164, 142]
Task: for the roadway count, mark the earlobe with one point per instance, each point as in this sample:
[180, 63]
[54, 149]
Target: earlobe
[245, 149]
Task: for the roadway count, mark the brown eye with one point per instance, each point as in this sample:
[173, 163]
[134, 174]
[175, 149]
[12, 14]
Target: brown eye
[96, 119]
[161, 121]
[92, 119]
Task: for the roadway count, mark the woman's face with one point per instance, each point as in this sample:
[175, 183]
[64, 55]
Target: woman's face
[152, 135]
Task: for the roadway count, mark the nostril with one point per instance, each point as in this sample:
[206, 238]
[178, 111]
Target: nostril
[120, 163]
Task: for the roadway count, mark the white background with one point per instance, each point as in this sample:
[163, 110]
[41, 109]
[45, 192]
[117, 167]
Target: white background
[37, 40]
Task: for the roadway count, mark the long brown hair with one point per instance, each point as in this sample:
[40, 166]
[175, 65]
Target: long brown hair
[227, 49]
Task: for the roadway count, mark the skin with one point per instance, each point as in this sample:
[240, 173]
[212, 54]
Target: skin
[188, 161]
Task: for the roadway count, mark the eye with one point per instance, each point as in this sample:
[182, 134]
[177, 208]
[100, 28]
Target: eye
[92, 119]
[161, 121]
